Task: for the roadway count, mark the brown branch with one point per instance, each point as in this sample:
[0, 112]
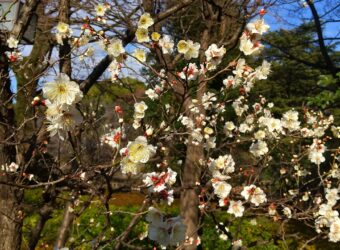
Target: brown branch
[65, 49]
[130, 34]
[25, 16]
[321, 41]
[121, 238]
[292, 57]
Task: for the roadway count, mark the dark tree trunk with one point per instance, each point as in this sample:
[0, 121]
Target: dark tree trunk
[11, 216]
[10, 196]
[189, 200]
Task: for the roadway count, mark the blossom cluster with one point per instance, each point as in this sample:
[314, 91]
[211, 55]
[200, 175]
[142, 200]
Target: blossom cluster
[62, 94]
[161, 183]
[165, 230]
[14, 54]
[64, 31]
[113, 138]
[135, 155]
[250, 40]
[255, 128]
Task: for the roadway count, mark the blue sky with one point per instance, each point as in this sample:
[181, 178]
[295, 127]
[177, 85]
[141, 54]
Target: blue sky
[278, 17]
[291, 15]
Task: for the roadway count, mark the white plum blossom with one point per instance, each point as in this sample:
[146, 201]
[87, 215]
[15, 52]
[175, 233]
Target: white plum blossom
[113, 138]
[254, 194]
[140, 108]
[130, 167]
[182, 46]
[167, 44]
[259, 135]
[193, 50]
[327, 211]
[239, 106]
[196, 136]
[68, 118]
[236, 208]
[13, 167]
[229, 126]
[332, 196]
[248, 46]
[224, 163]
[170, 231]
[334, 231]
[159, 181]
[114, 69]
[316, 152]
[290, 120]
[151, 94]
[240, 66]
[12, 43]
[139, 151]
[115, 48]
[53, 109]
[221, 189]
[135, 155]
[214, 53]
[145, 21]
[336, 131]
[63, 31]
[142, 35]
[101, 9]
[62, 90]
[188, 48]
[259, 148]
[207, 99]
[273, 125]
[244, 128]
[258, 27]
[214, 56]
[186, 121]
[140, 55]
[189, 73]
[229, 82]
[223, 237]
[210, 142]
[263, 71]
[287, 212]
[237, 244]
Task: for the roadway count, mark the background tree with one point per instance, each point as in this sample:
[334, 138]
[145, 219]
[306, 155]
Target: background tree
[75, 169]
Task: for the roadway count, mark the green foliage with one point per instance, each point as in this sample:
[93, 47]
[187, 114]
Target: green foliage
[296, 66]
[330, 95]
[261, 233]
[110, 92]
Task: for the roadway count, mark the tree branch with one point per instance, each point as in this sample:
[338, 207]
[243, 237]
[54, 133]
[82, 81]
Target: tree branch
[130, 34]
[321, 41]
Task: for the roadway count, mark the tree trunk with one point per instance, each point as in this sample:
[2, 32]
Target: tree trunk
[10, 197]
[45, 214]
[189, 200]
[65, 225]
[11, 216]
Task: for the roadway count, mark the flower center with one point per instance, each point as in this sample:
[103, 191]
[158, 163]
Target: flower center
[62, 88]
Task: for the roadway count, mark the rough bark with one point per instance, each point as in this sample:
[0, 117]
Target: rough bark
[65, 225]
[29, 70]
[45, 213]
[10, 196]
[65, 67]
[189, 200]
[11, 215]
